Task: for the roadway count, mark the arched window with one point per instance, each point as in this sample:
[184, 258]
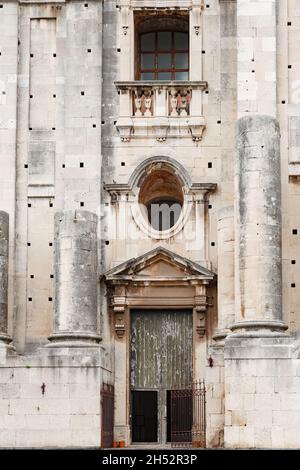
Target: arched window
[162, 47]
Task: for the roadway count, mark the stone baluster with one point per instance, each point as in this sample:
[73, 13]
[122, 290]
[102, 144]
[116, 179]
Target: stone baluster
[173, 102]
[137, 103]
[183, 102]
[148, 103]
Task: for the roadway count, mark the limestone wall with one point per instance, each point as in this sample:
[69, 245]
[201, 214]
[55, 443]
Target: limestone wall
[262, 393]
[58, 81]
[52, 399]
[288, 99]
[59, 145]
[9, 14]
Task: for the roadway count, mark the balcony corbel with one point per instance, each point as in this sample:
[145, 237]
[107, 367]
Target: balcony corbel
[161, 126]
[124, 126]
[196, 127]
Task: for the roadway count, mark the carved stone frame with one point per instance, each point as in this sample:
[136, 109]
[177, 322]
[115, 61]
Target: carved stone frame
[127, 290]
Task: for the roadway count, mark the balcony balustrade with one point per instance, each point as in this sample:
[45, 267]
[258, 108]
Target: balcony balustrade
[161, 109]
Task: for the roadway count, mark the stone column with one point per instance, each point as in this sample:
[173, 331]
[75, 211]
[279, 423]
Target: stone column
[75, 258]
[226, 305]
[4, 240]
[258, 225]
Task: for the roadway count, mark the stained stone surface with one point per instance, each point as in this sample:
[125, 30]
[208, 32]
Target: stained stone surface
[4, 240]
[75, 254]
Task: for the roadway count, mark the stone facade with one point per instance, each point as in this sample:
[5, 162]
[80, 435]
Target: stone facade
[85, 142]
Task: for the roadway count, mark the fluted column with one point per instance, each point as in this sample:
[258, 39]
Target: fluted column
[258, 263]
[75, 256]
[4, 243]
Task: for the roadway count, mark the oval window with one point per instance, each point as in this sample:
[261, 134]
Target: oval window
[161, 197]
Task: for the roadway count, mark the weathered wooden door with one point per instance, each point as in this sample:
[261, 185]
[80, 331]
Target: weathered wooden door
[161, 357]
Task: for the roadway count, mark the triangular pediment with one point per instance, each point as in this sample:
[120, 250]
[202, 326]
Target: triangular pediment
[162, 267]
[159, 264]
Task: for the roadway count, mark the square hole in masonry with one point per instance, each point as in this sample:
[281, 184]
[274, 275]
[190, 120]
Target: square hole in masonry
[29, 299]
[293, 261]
[295, 231]
[51, 276]
[82, 204]
[293, 285]
[31, 276]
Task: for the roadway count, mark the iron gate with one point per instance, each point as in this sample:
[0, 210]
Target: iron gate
[188, 418]
[107, 421]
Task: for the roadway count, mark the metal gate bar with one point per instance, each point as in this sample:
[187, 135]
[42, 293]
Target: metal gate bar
[188, 416]
[107, 420]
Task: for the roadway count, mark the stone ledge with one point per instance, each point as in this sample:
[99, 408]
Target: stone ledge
[57, 357]
[267, 347]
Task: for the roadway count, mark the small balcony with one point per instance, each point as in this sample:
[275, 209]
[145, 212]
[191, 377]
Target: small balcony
[161, 110]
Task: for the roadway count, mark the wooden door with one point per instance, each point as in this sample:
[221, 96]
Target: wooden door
[161, 356]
